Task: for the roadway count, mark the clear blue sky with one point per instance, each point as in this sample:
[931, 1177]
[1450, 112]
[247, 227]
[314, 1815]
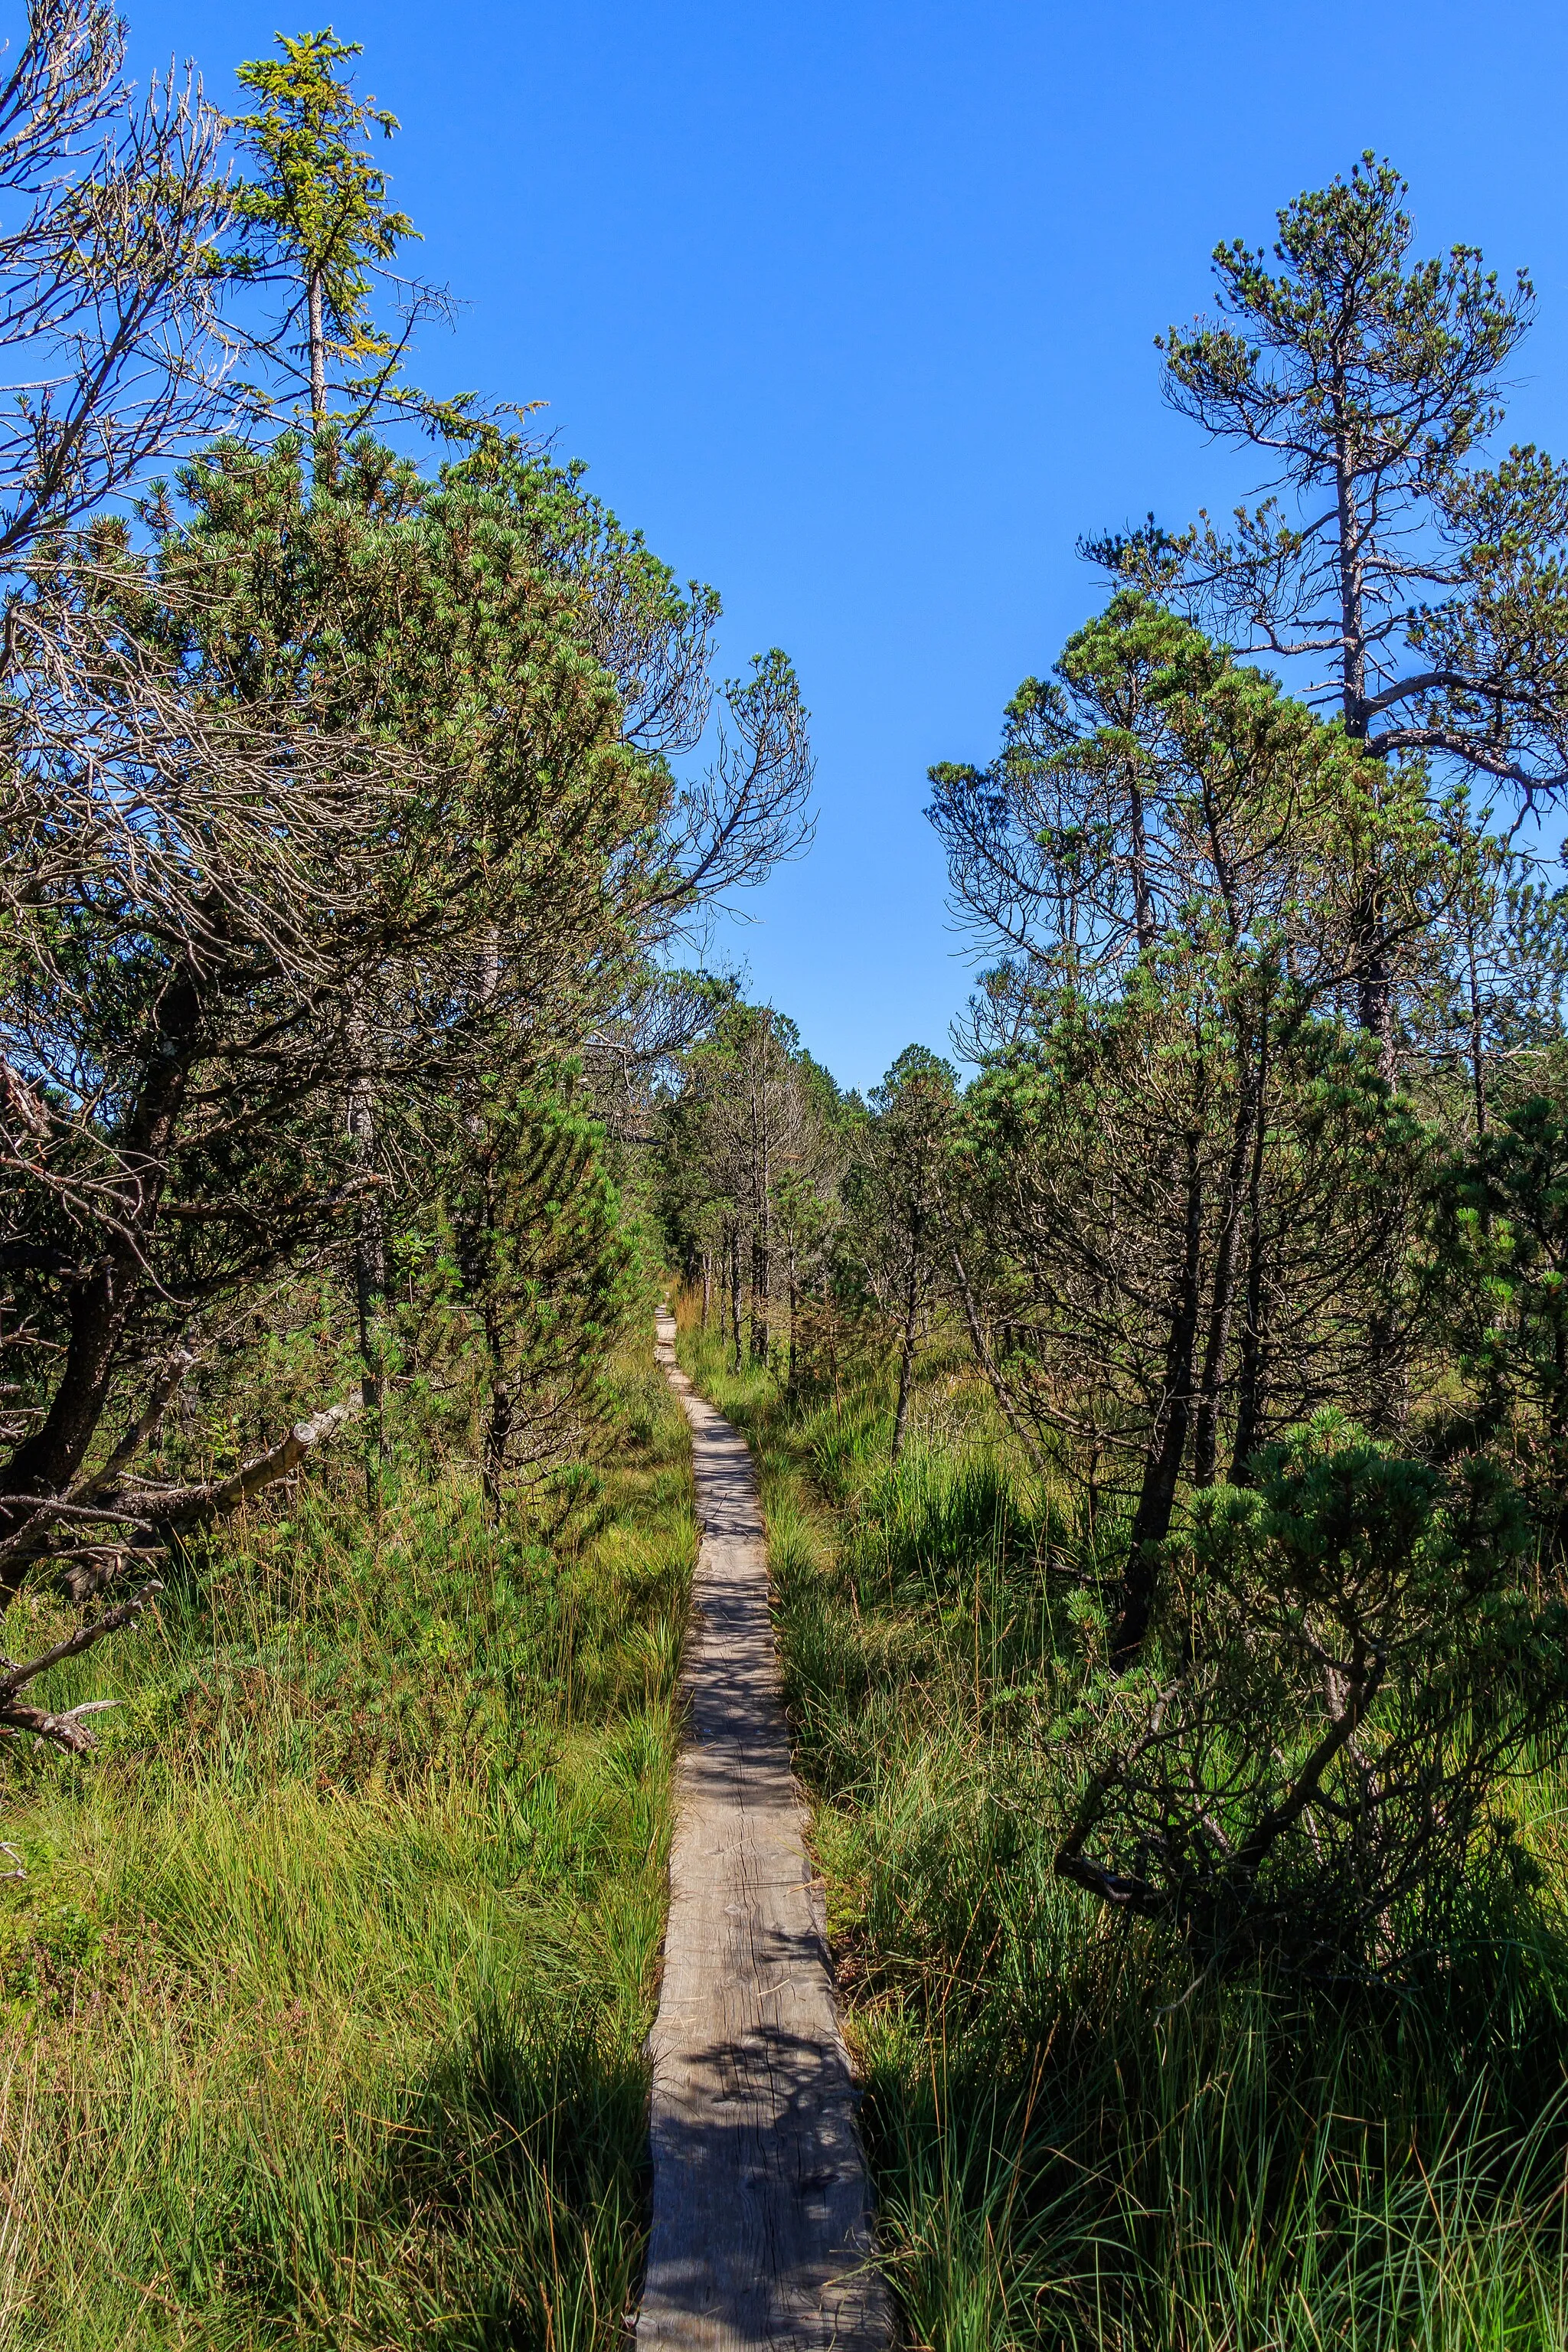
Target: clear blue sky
[850, 307]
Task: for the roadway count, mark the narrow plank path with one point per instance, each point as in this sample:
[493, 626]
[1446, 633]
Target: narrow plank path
[761, 2222]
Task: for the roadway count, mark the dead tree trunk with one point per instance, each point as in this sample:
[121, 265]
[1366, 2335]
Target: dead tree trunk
[791, 1279]
[762, 1282]
[735, 1289]
[762, 1219]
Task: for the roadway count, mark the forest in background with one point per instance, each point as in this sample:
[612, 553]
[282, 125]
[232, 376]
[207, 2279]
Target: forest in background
[1163, 1427]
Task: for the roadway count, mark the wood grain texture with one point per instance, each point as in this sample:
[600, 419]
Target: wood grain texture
[762, 2224]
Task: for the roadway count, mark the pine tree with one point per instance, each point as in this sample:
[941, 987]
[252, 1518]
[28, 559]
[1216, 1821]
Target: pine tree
[1424, 587]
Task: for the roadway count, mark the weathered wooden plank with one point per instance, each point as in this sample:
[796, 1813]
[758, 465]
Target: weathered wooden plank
[762, 2227]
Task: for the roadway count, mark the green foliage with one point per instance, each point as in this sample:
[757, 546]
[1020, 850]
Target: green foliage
[418, 850]
[1199, 1197]
[1080, 2138]
[1369, 1611]
[326, 1991]
[1405, 371]
[534, 1274]
[455, 619]
[1501, 1233]
[1187, 1197]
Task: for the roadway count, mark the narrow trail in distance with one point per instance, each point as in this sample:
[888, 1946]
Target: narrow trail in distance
[761, 2210]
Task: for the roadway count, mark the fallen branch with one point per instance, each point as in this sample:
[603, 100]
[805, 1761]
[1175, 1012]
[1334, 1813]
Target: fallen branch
[183, 1507]
[192, 1505]
[66, 1730]
[145, 1508]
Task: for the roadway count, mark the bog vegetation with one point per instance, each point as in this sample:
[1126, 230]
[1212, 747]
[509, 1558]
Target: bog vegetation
[1166, 1452]
[1163, 1428]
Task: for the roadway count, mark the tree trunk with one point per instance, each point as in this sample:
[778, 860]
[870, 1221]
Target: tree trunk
[761, 1283]
[1374, 990]
[707, 1285]
[317, 352]
[1477, 1036]
[498, 1428]
[369, 1259]
[794, 1312]
[1374, 979]
[907, 1355]
[1143, 897]
[1206, 1433]
[45, 1461]
[762, 1222]
[1557, 1431]
[1252, 1368]
[1168, 1439]
[735, 1289]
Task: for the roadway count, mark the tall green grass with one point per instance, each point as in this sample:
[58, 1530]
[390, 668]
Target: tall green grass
[322, 2002]
[1074, 2143]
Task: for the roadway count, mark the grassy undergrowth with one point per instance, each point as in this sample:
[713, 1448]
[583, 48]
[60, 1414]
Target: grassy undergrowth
[1073, 2144]
[323, 1996]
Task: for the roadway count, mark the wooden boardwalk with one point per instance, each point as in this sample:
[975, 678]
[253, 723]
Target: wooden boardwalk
[762, 2230]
